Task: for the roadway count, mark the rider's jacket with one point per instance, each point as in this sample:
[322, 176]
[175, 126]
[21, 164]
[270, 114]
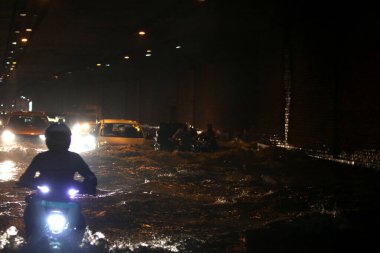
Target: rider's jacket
[58, 167]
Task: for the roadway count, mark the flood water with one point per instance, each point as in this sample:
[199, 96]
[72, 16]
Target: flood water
[238, 199]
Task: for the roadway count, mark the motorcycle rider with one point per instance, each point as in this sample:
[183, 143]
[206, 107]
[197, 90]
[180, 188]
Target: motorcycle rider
[56, 166]
[183, 138]
[208, 138]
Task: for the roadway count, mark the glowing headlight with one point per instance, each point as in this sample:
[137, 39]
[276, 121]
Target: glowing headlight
[56, 222]
[44, 189]
[72, 192]
[85, 126]
[75, 129]
[8, 136]
[82, 143]
[42, 137]
[80, 128]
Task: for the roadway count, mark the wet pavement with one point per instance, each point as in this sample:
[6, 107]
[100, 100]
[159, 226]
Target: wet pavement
[238, 199]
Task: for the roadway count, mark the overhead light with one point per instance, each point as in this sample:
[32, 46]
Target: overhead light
[17, 31]
[14, 63]
[107, 65]
[178, 47]
[98, 65]
[24, 40]
[148, 54]
[148, 51]
[141, 33]
[28, 29]
[23, 14]
[14, 43]
[126, 57]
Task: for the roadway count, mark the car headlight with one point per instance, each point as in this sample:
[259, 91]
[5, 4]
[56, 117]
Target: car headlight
[80, 128]
[56, 222]
[75, 129]
[8, 136]
[42, 137]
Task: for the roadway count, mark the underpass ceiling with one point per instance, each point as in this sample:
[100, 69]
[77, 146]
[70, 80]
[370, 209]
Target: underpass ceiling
[69, 35]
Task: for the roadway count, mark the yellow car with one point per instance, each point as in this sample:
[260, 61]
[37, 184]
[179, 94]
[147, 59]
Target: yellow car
[119, 132]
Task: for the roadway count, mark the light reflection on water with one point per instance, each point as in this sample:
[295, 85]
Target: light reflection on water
[168, 200]
[11, 241]
[369, 158]
[7, 171]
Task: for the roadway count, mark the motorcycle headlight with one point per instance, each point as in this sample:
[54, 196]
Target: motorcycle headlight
[72, 192]
[8, 136]
[44, 189]
[56, 222]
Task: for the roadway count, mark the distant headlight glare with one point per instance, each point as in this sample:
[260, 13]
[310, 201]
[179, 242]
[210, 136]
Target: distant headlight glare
[7, 136]
[75, 129]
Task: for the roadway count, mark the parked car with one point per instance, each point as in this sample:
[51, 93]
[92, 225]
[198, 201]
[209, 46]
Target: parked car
[119, 132]
[24, 126]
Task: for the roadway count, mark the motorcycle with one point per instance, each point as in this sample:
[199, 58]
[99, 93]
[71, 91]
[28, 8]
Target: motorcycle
[53, 219]
[205, 145]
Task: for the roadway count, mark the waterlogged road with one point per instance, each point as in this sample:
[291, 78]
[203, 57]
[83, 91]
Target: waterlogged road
[238, 199]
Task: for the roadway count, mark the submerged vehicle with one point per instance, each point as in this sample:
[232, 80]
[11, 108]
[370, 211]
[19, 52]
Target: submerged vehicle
[53, 219]
[119, 132]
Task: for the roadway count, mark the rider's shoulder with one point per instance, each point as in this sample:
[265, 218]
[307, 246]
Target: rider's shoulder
[74, 154]
[41, 155]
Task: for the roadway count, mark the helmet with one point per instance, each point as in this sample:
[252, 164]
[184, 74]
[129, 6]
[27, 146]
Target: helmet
[58, 137]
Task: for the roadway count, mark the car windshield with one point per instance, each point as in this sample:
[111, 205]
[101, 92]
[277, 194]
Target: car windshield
[121, 130]
[24, 121]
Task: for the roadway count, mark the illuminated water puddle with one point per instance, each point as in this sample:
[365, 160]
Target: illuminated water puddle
[166, 175]
[102, 193]
[366, 158]
[223, 201]
[8, 171]
[9, 148]
[156, 243]
[11, 239]
[11, 242]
